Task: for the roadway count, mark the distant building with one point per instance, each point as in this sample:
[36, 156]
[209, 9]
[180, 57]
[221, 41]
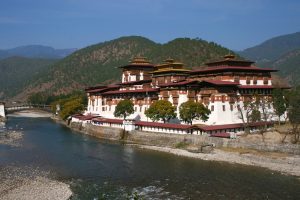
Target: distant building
[222, 86]
[2, 110]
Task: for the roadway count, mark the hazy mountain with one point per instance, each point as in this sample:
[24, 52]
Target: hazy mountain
[36, 51]
[273, 48]
[98, 63]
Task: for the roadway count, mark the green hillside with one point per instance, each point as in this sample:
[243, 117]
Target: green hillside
[288, 66]
[273, 48]
[98, 63]
[17, 72]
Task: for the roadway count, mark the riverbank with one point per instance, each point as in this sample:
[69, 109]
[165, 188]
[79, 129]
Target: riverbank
[11, 138]
[282, 162]
[28, 184]
[25, 183]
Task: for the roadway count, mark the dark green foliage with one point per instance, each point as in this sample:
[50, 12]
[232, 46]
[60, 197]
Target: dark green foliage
[70, 104]
[279, 103]
[161, 110]
[97, 63]
[17, 73]
[255, 115]
[294, 112]
[124, 109]
[191, 110]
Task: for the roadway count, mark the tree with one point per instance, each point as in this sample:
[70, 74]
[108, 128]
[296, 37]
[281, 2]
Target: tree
[161, 110]
[245, 111]
[279, 103]
[255, 115]
[191, 110]
[124, 109]
[294, 113]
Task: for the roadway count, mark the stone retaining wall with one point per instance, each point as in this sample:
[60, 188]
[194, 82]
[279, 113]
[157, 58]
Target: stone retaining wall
[171, 140]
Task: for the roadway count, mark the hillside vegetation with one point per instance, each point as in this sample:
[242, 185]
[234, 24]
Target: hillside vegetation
[288, 66]
[282, 53]
[273, 48]
[18, 72]
[98, 63]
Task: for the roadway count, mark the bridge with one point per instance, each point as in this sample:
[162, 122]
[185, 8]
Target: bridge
[14, 108]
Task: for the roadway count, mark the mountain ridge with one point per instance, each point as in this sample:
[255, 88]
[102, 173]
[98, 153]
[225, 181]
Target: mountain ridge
[272, 48]
[36, 51]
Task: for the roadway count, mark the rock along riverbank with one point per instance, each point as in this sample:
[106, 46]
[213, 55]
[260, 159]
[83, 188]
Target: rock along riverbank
[29, 184]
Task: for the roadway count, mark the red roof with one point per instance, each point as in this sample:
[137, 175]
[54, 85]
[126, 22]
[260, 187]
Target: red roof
[132, 91]
[256, 87]
[162, 125]
[114, 121]
[84, 117]
[231, 126]
[102, 89]
[230, 68]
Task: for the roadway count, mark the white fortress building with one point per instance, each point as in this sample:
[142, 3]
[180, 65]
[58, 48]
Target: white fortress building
[222, 86]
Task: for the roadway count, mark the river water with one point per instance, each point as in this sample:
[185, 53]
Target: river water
[98, 169]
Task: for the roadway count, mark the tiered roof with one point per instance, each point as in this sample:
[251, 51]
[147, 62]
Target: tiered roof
[139, 62]
[170, 65]
[230, 63]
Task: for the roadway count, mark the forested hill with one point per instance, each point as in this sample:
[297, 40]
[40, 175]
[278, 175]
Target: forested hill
[17, 72]
[288, 66]
[282, 53]
[98, 63]
[273, 48]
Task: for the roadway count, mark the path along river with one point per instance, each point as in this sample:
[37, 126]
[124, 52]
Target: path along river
[98, 169]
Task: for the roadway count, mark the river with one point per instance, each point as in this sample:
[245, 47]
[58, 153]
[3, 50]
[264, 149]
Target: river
[98, 169]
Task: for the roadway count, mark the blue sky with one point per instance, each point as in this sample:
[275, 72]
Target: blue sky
[236, 24]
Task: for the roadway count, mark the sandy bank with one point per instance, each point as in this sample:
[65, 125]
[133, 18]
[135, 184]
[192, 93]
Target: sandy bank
[28, 184]
[11, 138]
[286, 164]
[31, 113]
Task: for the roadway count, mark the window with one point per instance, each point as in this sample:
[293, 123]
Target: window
[254, 80]
[236, 79]
[231, 107]
[141, 108]
[223, 98]
[224, 108]
[265, 80]
[212, 108]
[247, 80]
